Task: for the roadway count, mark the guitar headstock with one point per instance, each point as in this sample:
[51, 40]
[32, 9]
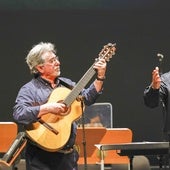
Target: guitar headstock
[108, 51]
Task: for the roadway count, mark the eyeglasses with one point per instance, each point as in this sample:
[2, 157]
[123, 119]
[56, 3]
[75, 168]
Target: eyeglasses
[53, 60]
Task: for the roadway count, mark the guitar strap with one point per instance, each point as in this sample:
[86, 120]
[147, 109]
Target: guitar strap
[65, 84]
[70, 87]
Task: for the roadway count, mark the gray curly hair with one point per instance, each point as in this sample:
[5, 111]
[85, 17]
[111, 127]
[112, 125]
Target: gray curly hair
[34, 56]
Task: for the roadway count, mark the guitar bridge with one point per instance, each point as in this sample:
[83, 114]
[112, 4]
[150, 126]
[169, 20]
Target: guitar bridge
[48, 126]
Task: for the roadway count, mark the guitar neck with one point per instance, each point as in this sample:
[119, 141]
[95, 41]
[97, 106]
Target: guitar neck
[79, 86]
[106, 54]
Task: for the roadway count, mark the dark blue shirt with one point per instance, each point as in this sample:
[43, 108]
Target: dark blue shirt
[36, 92]
[154, 97]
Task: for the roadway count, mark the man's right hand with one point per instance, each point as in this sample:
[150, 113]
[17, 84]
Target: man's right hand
[156, 80]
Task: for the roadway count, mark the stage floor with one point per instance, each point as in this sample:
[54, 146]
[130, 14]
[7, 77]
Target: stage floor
[21, 166]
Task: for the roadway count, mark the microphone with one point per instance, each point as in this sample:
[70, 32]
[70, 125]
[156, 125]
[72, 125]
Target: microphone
[160, 56]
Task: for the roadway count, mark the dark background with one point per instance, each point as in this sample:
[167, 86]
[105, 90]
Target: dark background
[140, 28]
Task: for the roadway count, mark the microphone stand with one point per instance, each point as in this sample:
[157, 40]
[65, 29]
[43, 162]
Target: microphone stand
[160, 57]
[83, 133]
[165, 134]
[165, 116]
[164, 111]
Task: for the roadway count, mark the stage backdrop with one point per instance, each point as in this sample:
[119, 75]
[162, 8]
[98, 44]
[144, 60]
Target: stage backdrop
[140, 30]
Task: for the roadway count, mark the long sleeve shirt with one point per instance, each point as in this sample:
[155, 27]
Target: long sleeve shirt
[153, 98]
[36, 92]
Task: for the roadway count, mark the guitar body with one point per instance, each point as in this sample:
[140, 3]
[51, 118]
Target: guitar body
[44, 137]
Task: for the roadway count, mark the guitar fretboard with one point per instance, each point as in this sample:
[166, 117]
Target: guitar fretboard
[79, 86]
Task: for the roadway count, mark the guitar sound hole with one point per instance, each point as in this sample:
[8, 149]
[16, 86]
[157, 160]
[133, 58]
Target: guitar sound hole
[66, 111]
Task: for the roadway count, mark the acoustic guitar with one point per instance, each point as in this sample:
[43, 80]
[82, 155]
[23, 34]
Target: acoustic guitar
[52, 131]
